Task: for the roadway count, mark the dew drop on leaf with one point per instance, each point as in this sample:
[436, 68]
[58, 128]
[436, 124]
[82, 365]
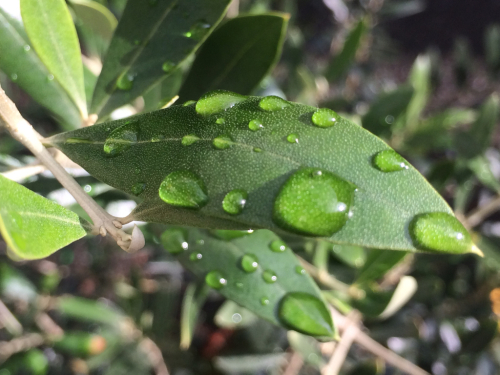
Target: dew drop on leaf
[215, 279]
[222, 142]
[235, 201]
[220, 121]
[264, 301]
[168, 66]
[257, 149]
[313, 203]
[121, 139]
[389, 161]
[198, 30]
[184, 189]
[292, 138]
[26, 47]
[138, 188]
[249, 263]
[13, 76]
[217, 101]
[269, 276]
[174, 241]
[273, 103]
[278, 246]
[300, 270]
[189, 139]
[125, 82]
[255, 125]
[324, 118]
[228, 235]
[194, 257]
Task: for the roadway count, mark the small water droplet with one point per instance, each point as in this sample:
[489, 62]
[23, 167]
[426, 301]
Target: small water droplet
[257, 149]
[50, 77]
[125, 82]
[13, 76]
[313, 204]
[198, 30]
[200, 242]
[269, 276]
[239, 285]
[138, 188]
[215, 279]
[278, 246]
[174, 241]
[255, 125]
[220, 121]
[324, 118]
[194, 257]
[184, 189]
[26, 47]
[189, 102]
[300, 270]
[222, 142]
[273, 103]
[189, 139]
[121, 139]
[264, 301]
[235, 201]
[389, 161]
[440, 231]
[158, 138]
[249, 263]
[292, 138]
[168, 66]
[217, 101]
[77, 140]
[87, 188]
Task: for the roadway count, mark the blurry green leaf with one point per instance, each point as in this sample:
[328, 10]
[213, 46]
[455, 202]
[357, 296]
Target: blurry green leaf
[26, 69]
[420, 80]
[237, 56]
[15, 286]
[32, 362]
[341, 63]
[370, 367]
[491, 250]
[253, 364]
[462, 60]
[53, 35]
[482, 170]
[353, 256]
[193, 301]
[232, 316]
[88, 310]
[95, 16]
[80, 344]
[150, 41]
[378, 263]
[492, 47]
[307, 347]
[90, 80]
[35, 227]
[464, 190]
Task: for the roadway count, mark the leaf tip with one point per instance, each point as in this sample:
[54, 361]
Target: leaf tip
[476, 250]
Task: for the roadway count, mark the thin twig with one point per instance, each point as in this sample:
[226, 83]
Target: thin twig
[154, 355]
[19, 344]
[9, 321]
[477, 216]
[48, 326]
[234, 9]
[22, 173]
[294, 364]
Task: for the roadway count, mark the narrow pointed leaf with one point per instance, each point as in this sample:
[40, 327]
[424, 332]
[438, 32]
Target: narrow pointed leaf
[24, 67]
[32, 226]
[194, 297]
[150, 41]
[53, 35]
[95, 16]
[237, 56]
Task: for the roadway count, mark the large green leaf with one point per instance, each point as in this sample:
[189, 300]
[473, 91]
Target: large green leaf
[207, 156]
[257, 271]
[26, 69]
[95, 16]
[150, 41]
[237, 56]
[33, 226]
[53, 35]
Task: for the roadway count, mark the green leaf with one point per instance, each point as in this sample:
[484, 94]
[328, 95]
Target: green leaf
[197, 160]
[237, 56]
[193, 301]
[247, 271]
[33, 226]
[89, 311]
[53, 35]
[378, 263]
[95, 16]
[420, 80]
[353, 256]
[480, 165]
[25, 68]
[150, 41]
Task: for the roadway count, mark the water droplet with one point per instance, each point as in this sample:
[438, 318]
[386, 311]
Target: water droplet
[264, 301]
[249, 263]
[194, 257]
[26, 47]
[300, 270]
[138, 188]
[257, 149]
[184, 189]
[273, 103]
[235, 201]
[228, 235]
[13, 76]
[292, 138]
[239, 285]
[168, 66]
[278, 246]
[87, 188]
[77, 140]
[125, 82]
[158, 138]
[389, 161]
[174, 241]
[200, 242]
[215, 279]
[121, 139]
[198, 30]
[306, 313]
[439, 231]
[313, 204]
[50, 77]
[222, 142]
[255, 125]
[324, 118]
[189, 102]
[189, 139]
[269, 276]
[217, 101]
[220, 121]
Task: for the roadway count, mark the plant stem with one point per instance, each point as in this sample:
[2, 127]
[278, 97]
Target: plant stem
[479, 214]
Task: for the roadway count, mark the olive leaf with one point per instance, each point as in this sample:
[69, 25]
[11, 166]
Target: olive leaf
[235, 162]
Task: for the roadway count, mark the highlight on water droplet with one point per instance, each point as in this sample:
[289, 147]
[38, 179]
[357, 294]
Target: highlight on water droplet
[324, 118]
[50, 77]
[249, 263]
[269, 276]
[217, 101]
[125, 82]
[264, 301]
[194, 257]
[184, 189]
[189, 139]
[198, 30]
[174, 240]
[313, 203]
[234, 201]
[121, 139]
[26, 47]
[292, 138]
[222, 142]
[300, 270]
[273, 103]
[441, 232]
[278, 246]
[87, 188]
[255, 125]
[215, 279]
[138, 188]
[389, 161]
[168, 66]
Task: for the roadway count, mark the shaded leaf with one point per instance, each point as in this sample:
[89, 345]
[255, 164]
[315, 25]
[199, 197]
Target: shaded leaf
[307, 347]
[378, 263]
[480, 165]
[420, 80]
[14, 286]
[353, 256]
[194, 298]
[95, 16]
[89, 311]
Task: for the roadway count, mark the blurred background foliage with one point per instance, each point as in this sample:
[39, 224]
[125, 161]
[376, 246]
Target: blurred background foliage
[424, 76]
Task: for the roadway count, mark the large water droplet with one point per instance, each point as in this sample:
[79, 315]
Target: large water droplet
[174, 241]
[138, 188]
[217, 101]
[125, 82]
[121, 139]
[324, 118]
[215, 279]
[273, 103]
[235, 201]
[313, 202]
[292, 138]
[194, 257]
[389, 161]
[278, 246]
[306, 313]
[439, 231]
[255, 125]
[269, 276]
[168, 66]
[249, 263]
[198, 30]
[222, 142]
[189, 139]
[184, 189]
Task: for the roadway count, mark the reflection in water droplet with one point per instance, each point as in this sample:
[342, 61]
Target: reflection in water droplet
[264, 301]
[249, 263]
[324, 118]
[194, 257]
[217, 101]
[278, 246]
[215, 279]
[389, 161]
[313, 203]
[189, 139]
[235, 201]
[439, 231]
[168, 66]
[300, 270]
[125, 82]
[174, 241]
[184, 189]
[292, 138]
[138, 188]
[220, 121]
[222, 142]
[269, 276]
[255, 125]
[273, 103]
[121, 139]
[198, 30]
